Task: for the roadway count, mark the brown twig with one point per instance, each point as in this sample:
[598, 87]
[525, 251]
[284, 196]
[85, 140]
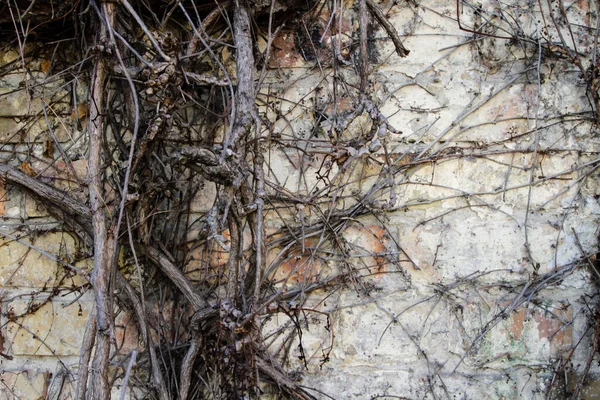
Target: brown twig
[389, 28]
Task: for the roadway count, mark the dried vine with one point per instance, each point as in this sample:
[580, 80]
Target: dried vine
[191, 228]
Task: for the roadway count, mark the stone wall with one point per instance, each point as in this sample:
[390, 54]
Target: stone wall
[44, 305]
[498, 199]
[476, 265]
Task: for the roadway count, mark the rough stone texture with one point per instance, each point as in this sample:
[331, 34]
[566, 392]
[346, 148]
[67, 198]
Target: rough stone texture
[54, 329]
[26, 384]
[28, 264]
[457, 218]
[432, 315]
[35, 382]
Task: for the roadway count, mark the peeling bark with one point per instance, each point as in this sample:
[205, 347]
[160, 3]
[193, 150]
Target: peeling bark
[201, 307]
[363, 22]
[103, 245]
[85, 356]
[244, 96]
[75, 215]
[389, 28]
[188, 368]
[282, 380]
[43, 191]
[142, 320]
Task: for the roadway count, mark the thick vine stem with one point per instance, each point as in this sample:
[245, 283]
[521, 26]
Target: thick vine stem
[259, 234]
[187, 368]
[85, 356]
[67, 203]
[75, 215]
[199, 304]
[282, 380]
[141, 315]
[363, 21]
[103, 246]
[245, 94]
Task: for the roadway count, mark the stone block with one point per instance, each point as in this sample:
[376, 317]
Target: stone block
[13, 202]
[33, 128]
[8, 55]
[371, 250]
[24, 266]
[127, 335]
[465, 242]
[11, 130]
[529, 335]
[554, 326]
[312, 350]
[52, 329]
[34, 208]
[366, 334]
[407, 382]
[204, 199]
[17, 103]
[37, 383]
[25, 384]
[69, 176]
[591, 386]
[284, 53]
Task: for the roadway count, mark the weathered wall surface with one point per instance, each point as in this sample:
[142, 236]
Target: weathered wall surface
[497, 200]
[37, 347]
[476, 260]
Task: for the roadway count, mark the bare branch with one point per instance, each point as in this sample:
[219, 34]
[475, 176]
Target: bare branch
[389, 28]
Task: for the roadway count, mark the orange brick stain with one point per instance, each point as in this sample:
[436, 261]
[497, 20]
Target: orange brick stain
[3, 198]
[369, 251]
[299, 264]
[553, 326]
